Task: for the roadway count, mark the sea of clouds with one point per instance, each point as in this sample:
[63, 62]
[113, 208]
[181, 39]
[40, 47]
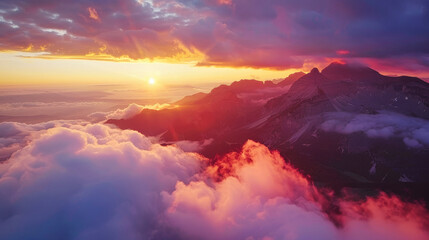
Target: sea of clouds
[414, 132]
[83, 180]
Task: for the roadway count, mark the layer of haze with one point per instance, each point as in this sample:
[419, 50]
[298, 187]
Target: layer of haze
[19, 68]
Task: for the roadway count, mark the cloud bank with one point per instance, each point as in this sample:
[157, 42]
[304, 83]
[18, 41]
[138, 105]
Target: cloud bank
[239, 33]
[14, 135]
[90, 181]
[130, 111]
[413, 131]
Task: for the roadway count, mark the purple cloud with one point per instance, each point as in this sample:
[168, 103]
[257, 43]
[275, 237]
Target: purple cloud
[269, 34]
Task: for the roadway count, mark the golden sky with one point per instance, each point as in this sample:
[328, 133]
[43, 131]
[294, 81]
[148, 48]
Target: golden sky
[229, 40]
[20, 68]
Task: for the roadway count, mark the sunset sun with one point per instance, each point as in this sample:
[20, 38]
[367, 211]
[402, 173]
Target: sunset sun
[151, 81]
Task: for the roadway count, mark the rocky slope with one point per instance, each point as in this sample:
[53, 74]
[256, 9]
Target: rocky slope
[347, 125]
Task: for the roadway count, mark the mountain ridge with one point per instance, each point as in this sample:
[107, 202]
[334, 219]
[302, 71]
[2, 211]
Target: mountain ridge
[294, 122]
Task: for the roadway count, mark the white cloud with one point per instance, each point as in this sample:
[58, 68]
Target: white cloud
[14, 136]
[126, 113]
[89, 182]
[33, 112]
[413, 131]
[74, 180]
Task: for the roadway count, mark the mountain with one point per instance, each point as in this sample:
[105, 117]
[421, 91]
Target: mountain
[203, 116]
[346, 126]
[294, 125]
[291, 79]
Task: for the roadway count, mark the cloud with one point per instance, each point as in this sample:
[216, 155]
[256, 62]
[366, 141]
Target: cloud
[413, 131]
[129, 29]
[193, 146]
[14, 135]
[86, 182]
[40, 111]
[238, 33]
[254, 194]
[90, 181]
[93, 14]
[126, 113]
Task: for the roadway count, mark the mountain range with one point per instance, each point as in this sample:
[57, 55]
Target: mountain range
[345, 127]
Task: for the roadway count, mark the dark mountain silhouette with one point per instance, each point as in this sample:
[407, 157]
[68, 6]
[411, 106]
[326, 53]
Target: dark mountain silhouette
[290, 120]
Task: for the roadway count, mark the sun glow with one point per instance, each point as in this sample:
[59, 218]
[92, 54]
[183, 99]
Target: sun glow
[151, 81]
[29, 68]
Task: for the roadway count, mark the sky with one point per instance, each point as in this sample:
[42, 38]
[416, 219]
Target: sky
[67, 42]
[19, 68]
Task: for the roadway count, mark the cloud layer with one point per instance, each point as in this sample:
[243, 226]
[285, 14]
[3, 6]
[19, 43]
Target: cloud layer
[126, 113]
[413, 131]
[89, 181]
[273, 34]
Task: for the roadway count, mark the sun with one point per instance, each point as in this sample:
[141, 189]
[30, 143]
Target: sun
[151, 81]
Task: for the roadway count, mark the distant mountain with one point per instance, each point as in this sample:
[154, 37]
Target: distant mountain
[347, 125]
[291, 79]
[191, 99]
[294, 125]
[203, 116]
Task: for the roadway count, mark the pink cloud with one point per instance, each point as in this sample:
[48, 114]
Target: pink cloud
[233, 33]
[89, 181]
[255, 194]
[93, 14]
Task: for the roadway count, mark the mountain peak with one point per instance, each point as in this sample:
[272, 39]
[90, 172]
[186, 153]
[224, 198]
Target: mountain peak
[344, 71]
[308, 85]
[314, 71]
[291, 78]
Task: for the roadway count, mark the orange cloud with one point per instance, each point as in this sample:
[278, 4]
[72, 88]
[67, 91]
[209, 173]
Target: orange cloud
[93, 14]
[255, 194]
[278, 35]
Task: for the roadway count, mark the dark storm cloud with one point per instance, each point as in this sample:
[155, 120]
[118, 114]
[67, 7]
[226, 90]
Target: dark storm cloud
[271, 34]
